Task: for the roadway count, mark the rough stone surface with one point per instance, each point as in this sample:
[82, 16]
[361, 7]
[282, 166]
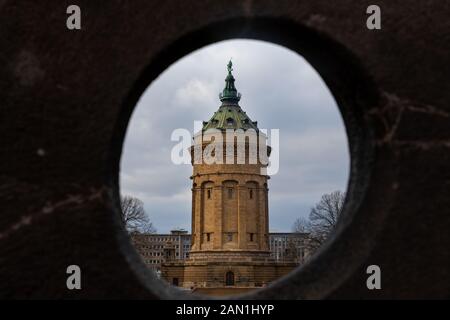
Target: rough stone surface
[66, 97]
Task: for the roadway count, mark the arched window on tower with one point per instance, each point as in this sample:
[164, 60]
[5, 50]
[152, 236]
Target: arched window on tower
[229, 278]
[230, 193]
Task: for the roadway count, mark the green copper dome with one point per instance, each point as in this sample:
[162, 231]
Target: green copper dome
[230, 115]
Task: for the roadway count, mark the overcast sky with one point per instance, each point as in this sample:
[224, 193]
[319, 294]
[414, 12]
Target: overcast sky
[279, 90]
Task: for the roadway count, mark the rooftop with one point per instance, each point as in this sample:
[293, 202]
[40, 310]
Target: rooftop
[230, 115]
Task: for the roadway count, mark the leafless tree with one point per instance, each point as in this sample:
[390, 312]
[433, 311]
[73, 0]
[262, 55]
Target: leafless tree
[301, 225]
[134, 217]
[325, 214]
[322, 220]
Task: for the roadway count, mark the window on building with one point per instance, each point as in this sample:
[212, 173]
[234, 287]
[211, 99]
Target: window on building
[251, 236]
[208, 237]
[208, 193]
[229, 237]
[229, 278]
[251, 193]
[230, 193]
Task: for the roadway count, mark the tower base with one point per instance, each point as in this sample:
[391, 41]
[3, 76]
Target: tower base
[225, 273]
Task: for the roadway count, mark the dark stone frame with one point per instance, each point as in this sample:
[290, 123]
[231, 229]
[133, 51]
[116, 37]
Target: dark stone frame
[62, 131]
[332, 62]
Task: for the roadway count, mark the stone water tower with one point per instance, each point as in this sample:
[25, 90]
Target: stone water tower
[230, 218]
[229, 198]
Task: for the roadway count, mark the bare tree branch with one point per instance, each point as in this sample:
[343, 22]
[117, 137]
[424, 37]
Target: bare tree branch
[325, 214]
[323, 218]
[301, 225]
[134, 217]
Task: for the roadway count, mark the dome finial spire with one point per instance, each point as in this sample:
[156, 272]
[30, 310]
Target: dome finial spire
[230, 93]
[230, 66]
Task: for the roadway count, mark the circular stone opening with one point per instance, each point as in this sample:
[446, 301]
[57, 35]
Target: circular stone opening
[195, 233]
[312, 280]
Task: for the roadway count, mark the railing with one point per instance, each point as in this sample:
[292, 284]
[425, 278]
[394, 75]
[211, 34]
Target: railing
[238, 96]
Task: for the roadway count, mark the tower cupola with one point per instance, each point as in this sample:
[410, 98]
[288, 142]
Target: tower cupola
[229, 93]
